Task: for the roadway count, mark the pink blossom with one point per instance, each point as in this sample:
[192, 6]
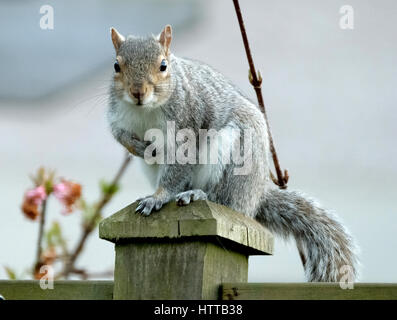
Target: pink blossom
[67, 193]
[36, 195]
[32, 200]
[60, 190]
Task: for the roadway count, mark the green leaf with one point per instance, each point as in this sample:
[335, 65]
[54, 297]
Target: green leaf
[48, 185]
[108, 189]
[10, 273]
[55, 237]
[97, 220]
[40, 177]
[88, 212]
[83, 204]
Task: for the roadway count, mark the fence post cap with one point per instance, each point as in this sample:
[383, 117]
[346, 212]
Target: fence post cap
[199, 219]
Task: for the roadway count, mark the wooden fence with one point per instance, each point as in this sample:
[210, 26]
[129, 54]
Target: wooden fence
[195, 252]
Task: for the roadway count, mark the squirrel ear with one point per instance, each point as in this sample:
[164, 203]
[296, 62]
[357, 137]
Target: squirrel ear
[165, 38]
[117, 38]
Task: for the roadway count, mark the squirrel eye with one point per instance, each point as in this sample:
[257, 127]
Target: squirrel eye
[163, 65]
[116, 66]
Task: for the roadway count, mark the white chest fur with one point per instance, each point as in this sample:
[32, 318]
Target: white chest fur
[208, 175]
[137, 119]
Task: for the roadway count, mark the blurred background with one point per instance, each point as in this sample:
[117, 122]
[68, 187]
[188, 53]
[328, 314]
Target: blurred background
[330, 96]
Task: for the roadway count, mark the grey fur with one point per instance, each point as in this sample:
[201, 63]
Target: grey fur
[198, 97]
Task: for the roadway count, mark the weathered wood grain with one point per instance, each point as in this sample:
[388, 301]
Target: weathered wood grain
[199, 219]
[63, 290]
[182, 252]
[308, 291]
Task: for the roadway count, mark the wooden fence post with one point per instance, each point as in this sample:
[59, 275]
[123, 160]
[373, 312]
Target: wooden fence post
[182, 252]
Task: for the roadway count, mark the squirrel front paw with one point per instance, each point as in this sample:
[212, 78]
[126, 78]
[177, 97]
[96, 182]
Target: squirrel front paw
[148, 204]
[136, 147]
[131, 142]
[184, 198]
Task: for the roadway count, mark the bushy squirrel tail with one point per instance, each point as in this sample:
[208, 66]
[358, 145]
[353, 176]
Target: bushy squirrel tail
[327, 250]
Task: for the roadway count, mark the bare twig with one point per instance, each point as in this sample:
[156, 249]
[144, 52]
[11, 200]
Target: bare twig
[41, 233]
[256, 81]
[86, 275]
[90, 226]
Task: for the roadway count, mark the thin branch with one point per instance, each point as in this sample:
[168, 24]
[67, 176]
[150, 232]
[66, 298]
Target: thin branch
[86, 275]
[256, 81]
[90, 226]
[41, 232]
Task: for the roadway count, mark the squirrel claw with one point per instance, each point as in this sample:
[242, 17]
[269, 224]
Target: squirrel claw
[184, 198]
[147, 205]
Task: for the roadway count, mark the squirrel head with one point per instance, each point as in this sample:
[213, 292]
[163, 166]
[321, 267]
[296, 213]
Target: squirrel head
[142, 68]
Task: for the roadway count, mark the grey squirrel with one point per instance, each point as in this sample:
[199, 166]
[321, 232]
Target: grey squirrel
[152, 86]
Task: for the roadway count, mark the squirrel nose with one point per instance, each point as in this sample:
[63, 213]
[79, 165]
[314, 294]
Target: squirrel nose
[136, 94]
